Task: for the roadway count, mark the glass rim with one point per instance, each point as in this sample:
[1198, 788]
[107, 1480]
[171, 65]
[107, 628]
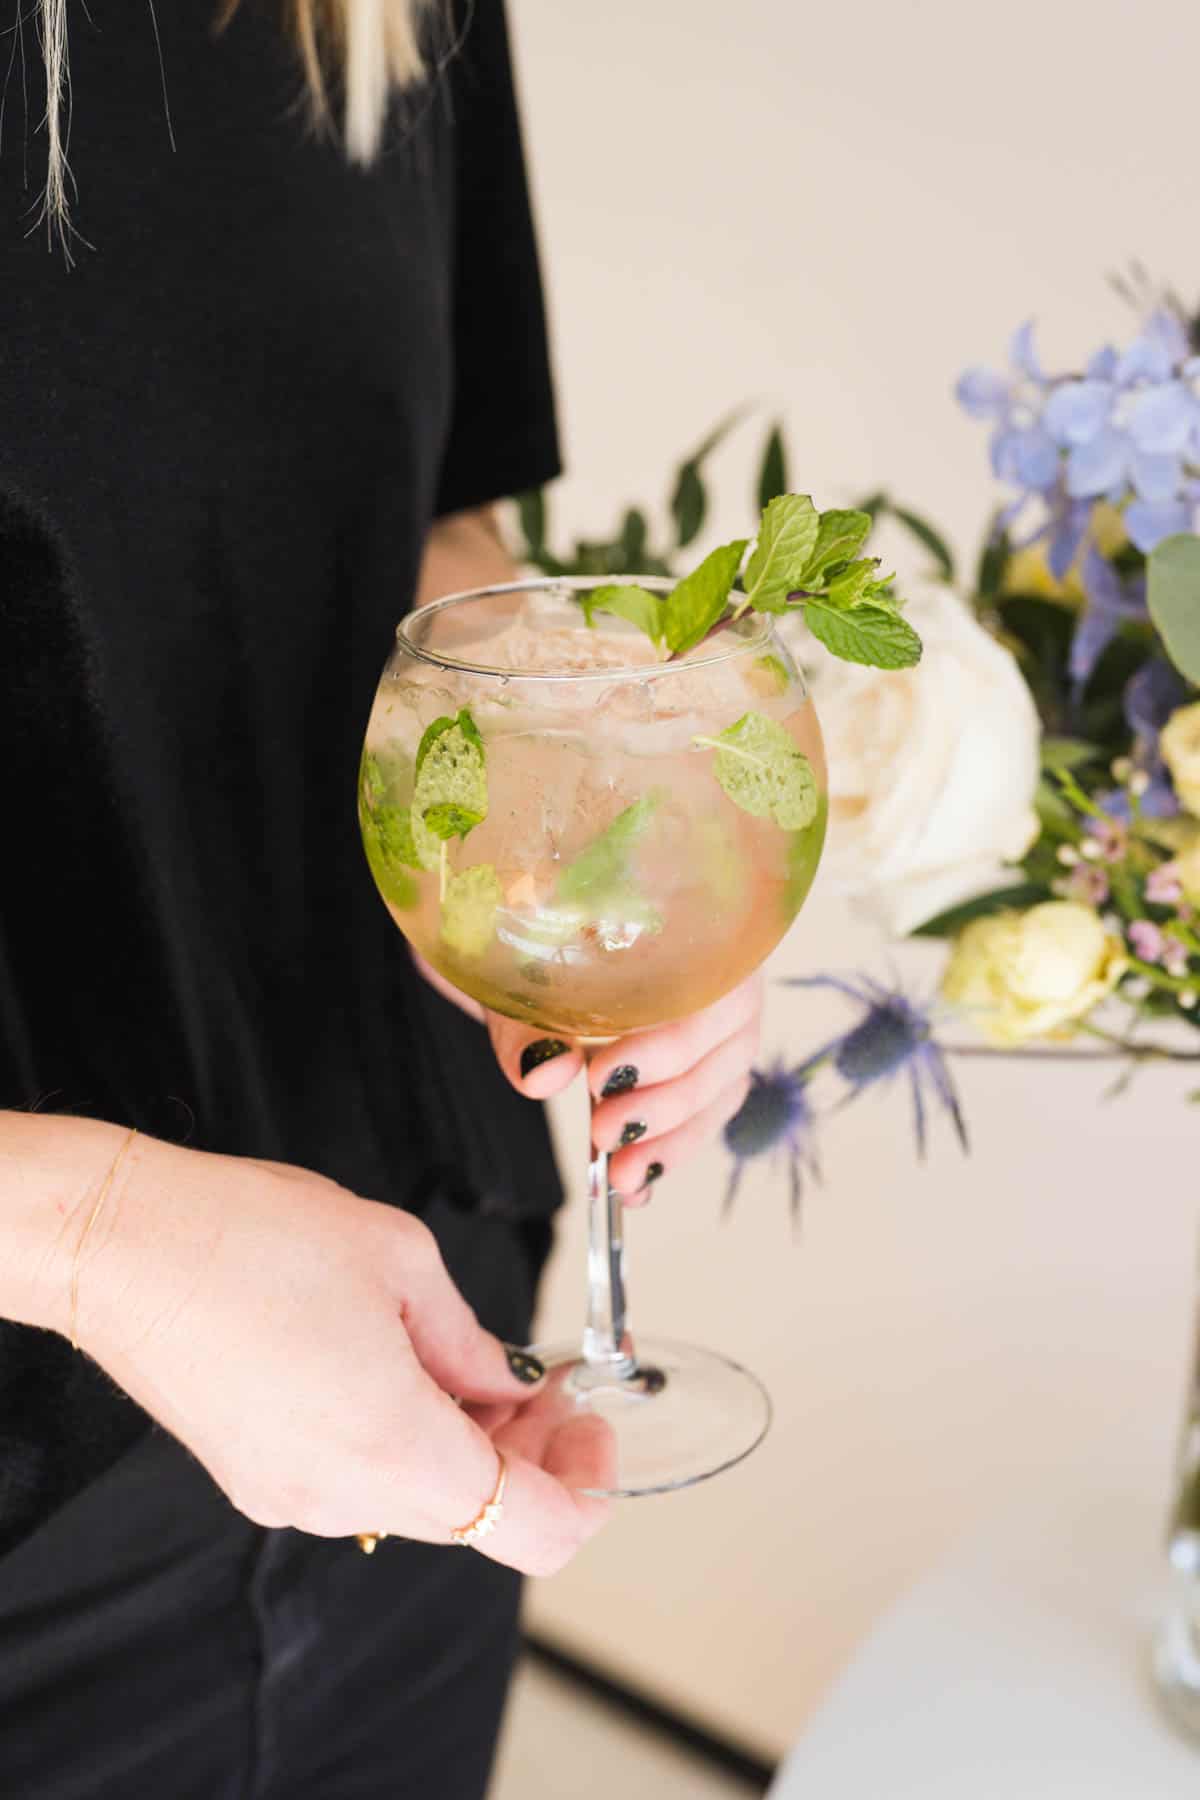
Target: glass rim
[757, 640]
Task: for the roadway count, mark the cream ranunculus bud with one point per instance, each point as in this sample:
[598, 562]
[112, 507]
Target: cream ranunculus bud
[1028, 975]
[932, 769]
[1180, 748]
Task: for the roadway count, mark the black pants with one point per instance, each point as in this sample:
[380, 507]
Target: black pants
[155, 1643]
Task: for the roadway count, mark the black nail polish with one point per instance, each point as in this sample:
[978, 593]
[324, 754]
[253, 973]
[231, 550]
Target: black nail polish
[653, 1171]
[633, 1130]
[525, 1367]
[543, 1050]
[620, 1081]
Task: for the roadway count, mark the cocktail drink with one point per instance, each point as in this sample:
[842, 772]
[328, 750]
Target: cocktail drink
[589, 835]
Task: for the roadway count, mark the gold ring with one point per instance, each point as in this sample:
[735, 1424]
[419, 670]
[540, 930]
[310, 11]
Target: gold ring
[367, 1541]
[488, 1519]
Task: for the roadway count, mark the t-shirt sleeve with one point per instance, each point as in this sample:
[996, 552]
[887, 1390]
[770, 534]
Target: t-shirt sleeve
[503, 435]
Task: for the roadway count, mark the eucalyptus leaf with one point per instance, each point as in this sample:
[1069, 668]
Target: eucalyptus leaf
[531, 511]
[1173, 592]
[1018, 897]
[932, 540]
[689, 500]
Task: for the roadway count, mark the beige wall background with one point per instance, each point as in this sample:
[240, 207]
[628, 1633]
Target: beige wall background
[830, 212]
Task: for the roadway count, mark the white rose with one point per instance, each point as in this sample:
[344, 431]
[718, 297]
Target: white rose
[932, 770]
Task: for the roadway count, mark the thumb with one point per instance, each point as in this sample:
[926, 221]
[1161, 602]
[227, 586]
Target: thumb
[537, 1065]
[450, 1344]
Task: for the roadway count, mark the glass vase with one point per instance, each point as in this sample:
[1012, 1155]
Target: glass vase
[1177, 1645]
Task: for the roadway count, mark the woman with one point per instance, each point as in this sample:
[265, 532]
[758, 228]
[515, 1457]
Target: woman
[274, 398]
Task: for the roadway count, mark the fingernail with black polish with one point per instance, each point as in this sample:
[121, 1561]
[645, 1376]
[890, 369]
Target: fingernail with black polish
[633, 1130]
[542, 1050]
[653, 1171]
[525, 1367]
[620, 1081]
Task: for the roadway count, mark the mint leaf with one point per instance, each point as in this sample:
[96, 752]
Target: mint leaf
[637, 604]
[693, 607]
[868, 634]
[450, 796]
[855, 583]
[763, 771]
[386, 833]
[786, 540]
[469, 909]
[839, 536]
[446, 820]
[603, 865]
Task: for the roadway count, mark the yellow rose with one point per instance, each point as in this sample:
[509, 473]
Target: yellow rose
[1180, 747]
[1028, 975]
[1187, 867]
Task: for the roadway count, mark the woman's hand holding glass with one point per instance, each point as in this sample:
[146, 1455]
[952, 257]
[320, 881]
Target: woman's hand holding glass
[310, 1349]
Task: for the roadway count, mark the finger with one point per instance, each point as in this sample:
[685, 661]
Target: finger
[645, 1114]
[547, 1514]
[669, 1050]
[627, 1169]
[537, 1065]
[450, 1343]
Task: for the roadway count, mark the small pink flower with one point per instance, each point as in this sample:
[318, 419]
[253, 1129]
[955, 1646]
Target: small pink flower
[1174, 957]
[1146, 940]
[1110, 838]
[1163, 885]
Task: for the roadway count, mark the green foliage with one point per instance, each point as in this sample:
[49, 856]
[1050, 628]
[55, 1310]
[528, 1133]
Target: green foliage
[773, 470]
[1173, 593]
[1018, 896]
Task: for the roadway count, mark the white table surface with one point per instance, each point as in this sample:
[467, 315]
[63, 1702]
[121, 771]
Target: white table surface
[1017, 1669]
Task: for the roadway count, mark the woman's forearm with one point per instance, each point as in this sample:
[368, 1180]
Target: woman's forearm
[50, 1167]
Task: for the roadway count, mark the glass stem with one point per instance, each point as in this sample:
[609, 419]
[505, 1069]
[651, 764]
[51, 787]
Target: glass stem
[606, 1344]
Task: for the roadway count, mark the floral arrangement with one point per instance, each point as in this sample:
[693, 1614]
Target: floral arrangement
[1044, 756]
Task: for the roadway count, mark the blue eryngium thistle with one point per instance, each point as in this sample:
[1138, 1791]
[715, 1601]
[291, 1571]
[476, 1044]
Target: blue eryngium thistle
[893, 1035]
[776, 1114]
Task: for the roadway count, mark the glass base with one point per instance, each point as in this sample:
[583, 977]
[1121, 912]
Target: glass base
[678, 1413]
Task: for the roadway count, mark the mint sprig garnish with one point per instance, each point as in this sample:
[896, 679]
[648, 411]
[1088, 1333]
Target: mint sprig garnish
[763, 770]
[803, 560]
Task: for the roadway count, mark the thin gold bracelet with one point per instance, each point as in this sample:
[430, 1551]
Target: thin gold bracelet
[101, 1197]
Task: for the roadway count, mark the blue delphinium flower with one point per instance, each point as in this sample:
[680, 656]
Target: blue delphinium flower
[1127, 431]
[776, 1116]
[894, 1036]
[1151, 696]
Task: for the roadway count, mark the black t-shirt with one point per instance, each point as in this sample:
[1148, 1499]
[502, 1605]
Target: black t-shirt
[223, 436]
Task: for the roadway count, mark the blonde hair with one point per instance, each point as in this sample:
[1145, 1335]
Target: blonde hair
[368, 46]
